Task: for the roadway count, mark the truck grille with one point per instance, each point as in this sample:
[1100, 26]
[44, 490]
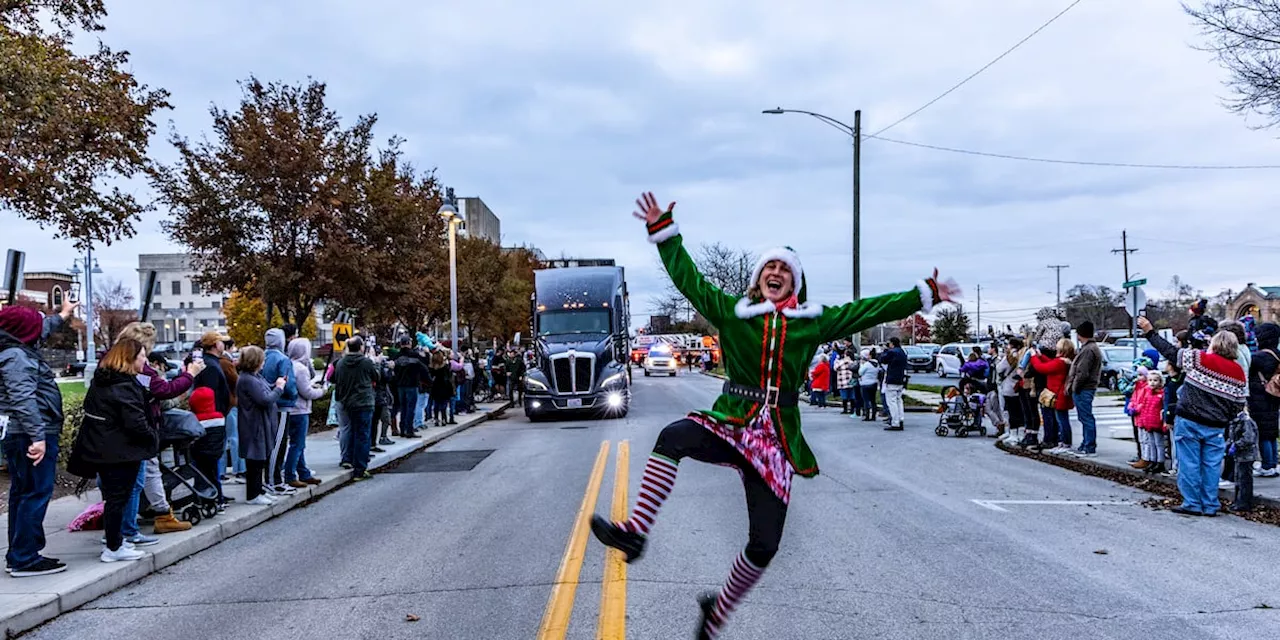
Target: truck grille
[575, 377]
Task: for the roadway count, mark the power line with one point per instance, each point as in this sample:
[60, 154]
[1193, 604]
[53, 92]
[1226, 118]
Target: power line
[975, 73]
[1088, 163]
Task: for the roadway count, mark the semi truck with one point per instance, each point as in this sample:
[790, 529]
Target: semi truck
[580, 325]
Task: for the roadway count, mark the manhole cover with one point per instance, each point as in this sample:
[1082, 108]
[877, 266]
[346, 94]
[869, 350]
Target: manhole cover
[443, 461]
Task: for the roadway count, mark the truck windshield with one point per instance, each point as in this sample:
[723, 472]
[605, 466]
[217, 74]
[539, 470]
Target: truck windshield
[573, 323]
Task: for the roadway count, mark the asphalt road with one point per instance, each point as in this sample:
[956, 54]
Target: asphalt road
[887, 543]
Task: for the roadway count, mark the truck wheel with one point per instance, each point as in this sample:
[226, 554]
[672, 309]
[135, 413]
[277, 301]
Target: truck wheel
[646, 373]
[673, 374]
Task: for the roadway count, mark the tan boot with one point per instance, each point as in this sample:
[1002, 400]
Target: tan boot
[1141, 464]
[169, 524]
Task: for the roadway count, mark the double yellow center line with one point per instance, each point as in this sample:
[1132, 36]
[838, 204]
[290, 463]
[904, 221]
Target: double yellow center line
[612, 624]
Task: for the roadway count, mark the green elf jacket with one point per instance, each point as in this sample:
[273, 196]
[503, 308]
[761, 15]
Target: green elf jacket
[764, 347]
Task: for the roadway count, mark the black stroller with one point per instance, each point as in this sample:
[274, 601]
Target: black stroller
[192, 496]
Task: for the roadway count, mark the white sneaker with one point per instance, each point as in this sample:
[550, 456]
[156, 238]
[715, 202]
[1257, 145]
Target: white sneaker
[1226, 484]
[123, 554]
[262, 501]
[124, 542]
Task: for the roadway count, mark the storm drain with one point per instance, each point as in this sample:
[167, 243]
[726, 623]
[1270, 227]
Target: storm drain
[443, 461]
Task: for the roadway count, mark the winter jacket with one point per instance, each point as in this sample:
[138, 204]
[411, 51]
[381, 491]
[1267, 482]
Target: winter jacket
[162, 389]
[278, 365]
[1049, 330]
[214, 378]
[353, 378]
[259, 415]
[894, 362]
[869, 373]
[299, 353]
[1242, 438]
[117, 426]
[975, 369]
[1008, 387]
[1055, 372]
[845, 372]
[29, 395]
[1086, 369]
[441, 383]
[411, 369]
[821, 376]
[1264, 407]
[1214, 388]
[1147, 407]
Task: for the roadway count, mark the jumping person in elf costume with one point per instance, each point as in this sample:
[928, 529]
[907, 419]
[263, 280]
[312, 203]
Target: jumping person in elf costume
[769, 337]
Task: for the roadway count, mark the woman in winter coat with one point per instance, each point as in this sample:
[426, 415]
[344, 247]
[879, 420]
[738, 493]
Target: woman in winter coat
[868, 379]
[847, 380]
[1010, 382]
[296, 474]
[259, 418]
[821, 382]
[1214, 391]
[117, 435]
[441, 387]
[205, 450]
[1264, 407]
[1054, 368]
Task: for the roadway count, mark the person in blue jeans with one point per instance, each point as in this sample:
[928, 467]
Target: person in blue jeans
[353, 379]
[1082, 384]
[296, 473]
[1213, 393]
[410, 374]
[31, 421]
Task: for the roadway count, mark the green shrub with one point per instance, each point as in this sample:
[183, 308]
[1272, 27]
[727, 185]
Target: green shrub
[320, 414]
[70, 429]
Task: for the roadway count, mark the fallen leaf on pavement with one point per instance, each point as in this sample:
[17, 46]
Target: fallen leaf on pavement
[409, 617]
[1101, 552]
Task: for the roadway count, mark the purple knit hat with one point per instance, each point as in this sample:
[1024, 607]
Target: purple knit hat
[23, 323]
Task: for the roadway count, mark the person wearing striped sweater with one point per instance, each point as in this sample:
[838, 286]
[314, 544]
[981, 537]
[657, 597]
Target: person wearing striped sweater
[769, 337]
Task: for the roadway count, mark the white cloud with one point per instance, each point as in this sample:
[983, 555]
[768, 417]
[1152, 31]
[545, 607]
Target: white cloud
[558, 113]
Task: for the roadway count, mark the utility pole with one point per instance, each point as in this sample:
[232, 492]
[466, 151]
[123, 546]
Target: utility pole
[857, 213]
[1124, 250]
[979, 331]
[1059, 268]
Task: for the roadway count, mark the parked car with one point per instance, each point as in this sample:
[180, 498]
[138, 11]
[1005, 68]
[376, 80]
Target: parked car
[952, 356]
[73, 369]
[661, 359]
[918, 359]
[1117, 362]
[1143, 344]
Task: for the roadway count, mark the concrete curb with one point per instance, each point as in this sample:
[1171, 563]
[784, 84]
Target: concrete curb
[68, 591]
[1131, 477]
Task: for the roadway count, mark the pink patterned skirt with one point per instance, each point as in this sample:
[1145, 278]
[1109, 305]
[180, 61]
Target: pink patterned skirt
[758, 443]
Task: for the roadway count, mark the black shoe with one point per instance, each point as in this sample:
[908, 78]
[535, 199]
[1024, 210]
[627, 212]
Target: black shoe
[893, 428]
[377, 449]
[411, 436]
[345, 465]
[707, 603]
[611, 535]
[1185, 511]
[41, 567]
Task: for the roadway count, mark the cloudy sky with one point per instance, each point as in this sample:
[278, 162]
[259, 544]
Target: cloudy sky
[558, 113]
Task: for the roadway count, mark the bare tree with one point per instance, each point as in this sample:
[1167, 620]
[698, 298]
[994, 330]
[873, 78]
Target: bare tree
[113, 308]
[1245, 37]
[725, 267]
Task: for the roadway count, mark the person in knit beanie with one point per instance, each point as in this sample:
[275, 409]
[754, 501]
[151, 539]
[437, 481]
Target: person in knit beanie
[204, 405]
[31, 417]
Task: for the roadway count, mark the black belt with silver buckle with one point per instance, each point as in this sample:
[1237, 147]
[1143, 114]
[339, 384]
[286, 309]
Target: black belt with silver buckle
[773, 396]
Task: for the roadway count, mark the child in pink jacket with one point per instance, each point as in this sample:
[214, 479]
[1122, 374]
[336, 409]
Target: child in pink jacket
[1147, 407]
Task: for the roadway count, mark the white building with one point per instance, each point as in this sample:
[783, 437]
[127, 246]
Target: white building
[481, 221]
[180, 308]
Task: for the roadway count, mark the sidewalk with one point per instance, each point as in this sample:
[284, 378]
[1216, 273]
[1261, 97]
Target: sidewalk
[29, 602]
[1114, 454]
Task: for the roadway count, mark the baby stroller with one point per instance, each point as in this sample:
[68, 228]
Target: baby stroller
[959, 413]
[192, 496]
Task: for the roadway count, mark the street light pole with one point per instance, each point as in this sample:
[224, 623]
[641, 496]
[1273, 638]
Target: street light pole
[855, 132]
[91, 352]
[450, 214]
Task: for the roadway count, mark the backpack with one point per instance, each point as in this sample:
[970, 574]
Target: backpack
[1272, 386]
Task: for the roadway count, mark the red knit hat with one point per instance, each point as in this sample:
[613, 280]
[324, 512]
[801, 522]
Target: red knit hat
[203, 405]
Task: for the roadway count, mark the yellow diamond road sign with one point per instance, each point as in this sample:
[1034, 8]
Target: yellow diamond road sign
[341, 331]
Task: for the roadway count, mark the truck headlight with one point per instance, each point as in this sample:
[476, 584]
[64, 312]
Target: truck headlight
[617, 377]
[535, 384]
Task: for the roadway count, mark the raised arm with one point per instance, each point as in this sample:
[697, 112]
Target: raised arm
[706, 298]
[855, 316]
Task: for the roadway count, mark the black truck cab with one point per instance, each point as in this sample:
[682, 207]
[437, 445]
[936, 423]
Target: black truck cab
[582, 343]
